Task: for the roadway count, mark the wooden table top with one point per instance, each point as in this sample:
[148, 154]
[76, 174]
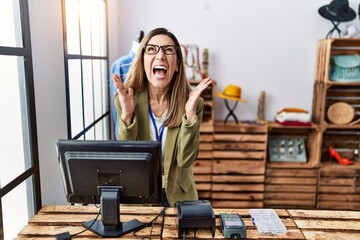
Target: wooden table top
[300, 224]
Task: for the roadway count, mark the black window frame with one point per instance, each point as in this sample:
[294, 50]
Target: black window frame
[33, 171]
[81, 57]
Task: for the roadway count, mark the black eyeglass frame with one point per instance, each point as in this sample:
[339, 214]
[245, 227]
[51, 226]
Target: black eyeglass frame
[162, 49]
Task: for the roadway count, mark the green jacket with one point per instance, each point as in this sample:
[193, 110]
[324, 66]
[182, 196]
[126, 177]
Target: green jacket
[181, 147]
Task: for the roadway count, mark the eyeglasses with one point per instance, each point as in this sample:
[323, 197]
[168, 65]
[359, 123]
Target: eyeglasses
[154, 49]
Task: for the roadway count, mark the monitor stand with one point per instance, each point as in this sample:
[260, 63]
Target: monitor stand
[110, 224]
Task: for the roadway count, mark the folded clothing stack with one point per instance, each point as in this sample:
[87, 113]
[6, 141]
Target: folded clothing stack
[293, 117]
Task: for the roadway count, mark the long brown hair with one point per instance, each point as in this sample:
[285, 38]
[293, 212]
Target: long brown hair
[179, 86]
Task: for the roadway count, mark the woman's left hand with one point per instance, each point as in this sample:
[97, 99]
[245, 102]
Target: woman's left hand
[191, 104]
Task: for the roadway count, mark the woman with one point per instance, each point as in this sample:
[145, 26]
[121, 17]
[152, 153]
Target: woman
[157, 103]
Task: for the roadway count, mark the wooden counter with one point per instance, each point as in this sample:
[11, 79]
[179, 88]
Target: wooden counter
[300, 224]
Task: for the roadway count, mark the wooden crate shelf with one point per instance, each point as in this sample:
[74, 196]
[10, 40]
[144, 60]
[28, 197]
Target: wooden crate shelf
[202, 167]
[345, 141]
[310, 134]
[293, 188]
[239, 155]
[349, 94]
[339, 187]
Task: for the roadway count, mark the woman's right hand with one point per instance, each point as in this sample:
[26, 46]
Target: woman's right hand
[126, 99]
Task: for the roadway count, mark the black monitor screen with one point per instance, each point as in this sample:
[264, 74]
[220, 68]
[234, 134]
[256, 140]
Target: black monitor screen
[128, 171]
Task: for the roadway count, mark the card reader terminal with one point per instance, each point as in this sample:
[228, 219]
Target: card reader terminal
[232, 226]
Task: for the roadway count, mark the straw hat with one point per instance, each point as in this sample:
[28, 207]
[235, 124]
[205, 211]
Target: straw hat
[232, 92]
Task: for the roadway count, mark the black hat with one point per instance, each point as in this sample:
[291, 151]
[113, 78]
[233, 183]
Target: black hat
[338, 11]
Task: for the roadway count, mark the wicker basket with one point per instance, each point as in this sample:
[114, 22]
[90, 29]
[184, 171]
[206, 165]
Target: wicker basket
[340, 113]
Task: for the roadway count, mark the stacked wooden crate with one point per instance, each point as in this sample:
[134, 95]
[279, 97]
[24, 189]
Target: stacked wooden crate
[339, 186]
[292, 184]
[238, 169]
[291, 188]
[202, 167]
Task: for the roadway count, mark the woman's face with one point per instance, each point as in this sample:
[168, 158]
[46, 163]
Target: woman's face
[160, 67]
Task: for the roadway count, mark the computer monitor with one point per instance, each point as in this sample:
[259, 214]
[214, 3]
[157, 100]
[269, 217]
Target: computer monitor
[110, 173]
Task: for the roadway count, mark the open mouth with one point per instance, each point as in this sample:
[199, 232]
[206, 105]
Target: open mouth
[160, 71]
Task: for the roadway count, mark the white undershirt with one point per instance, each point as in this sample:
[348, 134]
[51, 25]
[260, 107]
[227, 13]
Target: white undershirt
[159, 121]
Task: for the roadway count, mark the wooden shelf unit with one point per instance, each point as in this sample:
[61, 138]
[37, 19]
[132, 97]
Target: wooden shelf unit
[233, 171]
[339, 186]
[311, 135]
[202, 167]
[239, 158]
[291, 187]
[293, 184]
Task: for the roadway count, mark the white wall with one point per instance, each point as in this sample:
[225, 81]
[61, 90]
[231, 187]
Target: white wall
[259, 45]
[50, 101]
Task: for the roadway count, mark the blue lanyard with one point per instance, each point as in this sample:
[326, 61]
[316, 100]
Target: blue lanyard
[158, 136]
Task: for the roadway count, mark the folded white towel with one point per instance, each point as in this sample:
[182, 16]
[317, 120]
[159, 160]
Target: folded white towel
[292, 117]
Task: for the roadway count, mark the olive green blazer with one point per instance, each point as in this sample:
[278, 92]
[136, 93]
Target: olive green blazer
[180, 151]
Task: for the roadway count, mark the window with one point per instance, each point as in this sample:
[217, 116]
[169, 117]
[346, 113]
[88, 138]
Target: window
[19, 172]
[86, 66]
